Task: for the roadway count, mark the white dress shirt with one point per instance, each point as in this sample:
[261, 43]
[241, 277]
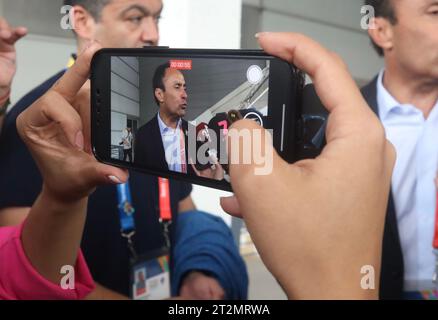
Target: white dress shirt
[416, 141]
[172, 144]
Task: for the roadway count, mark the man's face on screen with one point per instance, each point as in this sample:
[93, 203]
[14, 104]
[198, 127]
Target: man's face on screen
[129, 24]
[173, 101]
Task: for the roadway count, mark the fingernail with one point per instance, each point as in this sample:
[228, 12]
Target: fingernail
[80, 140]
[115, 180]
[260, 34]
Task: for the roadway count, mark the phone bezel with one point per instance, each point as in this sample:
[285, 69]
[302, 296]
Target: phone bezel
[284, 93]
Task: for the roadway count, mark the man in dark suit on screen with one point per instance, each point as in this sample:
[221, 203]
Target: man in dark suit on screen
[163, 142]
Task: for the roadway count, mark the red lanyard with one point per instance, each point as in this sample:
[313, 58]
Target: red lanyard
[183, 152]
[164, 199]
[435, 238]
[127, 219]
[165, 210]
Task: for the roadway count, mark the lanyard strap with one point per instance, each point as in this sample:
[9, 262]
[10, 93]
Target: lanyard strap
[183, 152]
[127, 210]
[435, 238]
[126, 215]
[165, 210]
[164, 200]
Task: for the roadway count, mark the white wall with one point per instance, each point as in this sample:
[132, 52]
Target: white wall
[39, 55]
[125, 86]
[39, 58]
[125, 99]
[201, 24]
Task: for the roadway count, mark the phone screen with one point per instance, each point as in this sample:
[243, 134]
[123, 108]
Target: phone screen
[173, 114]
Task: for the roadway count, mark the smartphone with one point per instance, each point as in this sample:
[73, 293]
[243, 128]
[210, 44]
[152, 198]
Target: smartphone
[166, 112]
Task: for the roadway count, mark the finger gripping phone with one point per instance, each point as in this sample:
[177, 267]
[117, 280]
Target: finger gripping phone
[172, 109]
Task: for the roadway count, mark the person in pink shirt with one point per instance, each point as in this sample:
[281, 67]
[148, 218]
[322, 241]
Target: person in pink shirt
[38, 256]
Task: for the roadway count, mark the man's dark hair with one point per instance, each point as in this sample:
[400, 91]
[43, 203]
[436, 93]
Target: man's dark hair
[382, 9]
[94, 7]
[157, 80]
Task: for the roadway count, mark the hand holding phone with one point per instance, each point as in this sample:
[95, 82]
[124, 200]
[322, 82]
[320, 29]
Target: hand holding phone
[318, 223]
[180, 105]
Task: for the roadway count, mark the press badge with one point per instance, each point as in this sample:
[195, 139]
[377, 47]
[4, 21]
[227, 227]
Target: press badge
[150, 276]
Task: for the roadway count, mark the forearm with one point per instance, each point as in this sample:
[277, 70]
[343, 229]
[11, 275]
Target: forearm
[52, 234]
